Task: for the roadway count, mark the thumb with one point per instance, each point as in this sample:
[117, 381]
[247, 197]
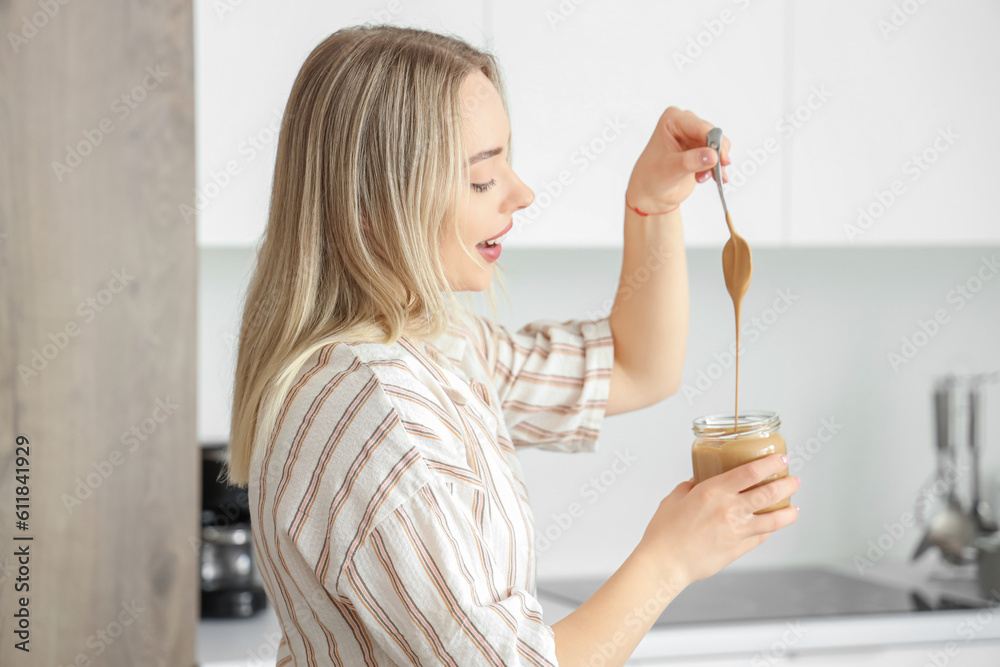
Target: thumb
[675, 166]
[696, 160]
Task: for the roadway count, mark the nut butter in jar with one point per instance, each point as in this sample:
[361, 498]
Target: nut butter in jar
[719, 447]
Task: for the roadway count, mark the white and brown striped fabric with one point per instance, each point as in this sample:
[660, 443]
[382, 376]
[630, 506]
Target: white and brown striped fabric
[391, 522]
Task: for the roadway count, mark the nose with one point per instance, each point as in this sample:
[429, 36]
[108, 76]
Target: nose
[524, 196]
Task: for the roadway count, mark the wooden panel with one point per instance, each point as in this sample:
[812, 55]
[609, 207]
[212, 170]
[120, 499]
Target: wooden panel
[97, 332]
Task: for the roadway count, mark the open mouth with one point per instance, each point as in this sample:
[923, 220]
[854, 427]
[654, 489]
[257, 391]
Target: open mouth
[496, 240]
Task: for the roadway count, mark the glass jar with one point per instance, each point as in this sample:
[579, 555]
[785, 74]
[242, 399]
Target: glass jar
[719, 447]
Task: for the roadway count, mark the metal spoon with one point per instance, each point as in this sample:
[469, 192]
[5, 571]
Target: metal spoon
[939, 448]
[979, 508]
[952, 528]
[736, 263]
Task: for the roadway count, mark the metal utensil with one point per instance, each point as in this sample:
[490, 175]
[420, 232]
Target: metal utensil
[988, 564]
[714, 141]
[941, 427]
[978, 508]
[736, 260]
[952, 529]
[940, 451]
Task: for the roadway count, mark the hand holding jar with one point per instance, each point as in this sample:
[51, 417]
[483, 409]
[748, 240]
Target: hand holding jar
[698, 529]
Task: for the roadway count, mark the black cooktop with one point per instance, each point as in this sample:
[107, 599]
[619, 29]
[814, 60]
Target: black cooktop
[786, 593]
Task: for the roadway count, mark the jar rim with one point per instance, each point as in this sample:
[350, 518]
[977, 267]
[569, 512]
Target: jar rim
[725, 425]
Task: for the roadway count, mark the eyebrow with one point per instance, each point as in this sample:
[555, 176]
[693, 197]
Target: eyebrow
[486, 154]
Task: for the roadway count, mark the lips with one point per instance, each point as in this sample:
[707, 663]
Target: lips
[506, 229]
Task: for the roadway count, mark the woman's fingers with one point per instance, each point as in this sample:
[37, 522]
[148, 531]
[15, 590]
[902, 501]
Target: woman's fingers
[705, 175]
[688, 129]
[685, 142]
[744, 476]
[698, 160]
[772, 521]
[691, 131]
[768, 494]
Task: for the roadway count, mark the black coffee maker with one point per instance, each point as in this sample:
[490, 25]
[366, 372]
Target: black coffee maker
[231, 586]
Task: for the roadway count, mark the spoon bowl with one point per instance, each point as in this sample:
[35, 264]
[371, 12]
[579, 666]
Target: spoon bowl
[737, 264]
[953, 531]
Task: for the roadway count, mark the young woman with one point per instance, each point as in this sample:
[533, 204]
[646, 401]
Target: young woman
[376, 420]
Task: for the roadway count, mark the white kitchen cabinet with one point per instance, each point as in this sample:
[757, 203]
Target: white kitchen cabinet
[247, 55]
[587, 88]
[903, 151]
[852, 123]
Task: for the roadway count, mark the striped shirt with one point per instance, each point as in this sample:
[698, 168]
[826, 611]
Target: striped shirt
[391, 521]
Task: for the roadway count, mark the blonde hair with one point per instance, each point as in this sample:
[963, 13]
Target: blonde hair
[371, 169]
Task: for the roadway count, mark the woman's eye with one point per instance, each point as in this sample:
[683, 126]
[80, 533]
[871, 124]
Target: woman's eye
[483, 187]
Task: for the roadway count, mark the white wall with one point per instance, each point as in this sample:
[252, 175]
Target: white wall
[825, 357]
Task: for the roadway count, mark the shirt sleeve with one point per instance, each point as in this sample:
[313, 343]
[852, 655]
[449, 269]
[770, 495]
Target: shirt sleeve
[420, 583]
[553, 380]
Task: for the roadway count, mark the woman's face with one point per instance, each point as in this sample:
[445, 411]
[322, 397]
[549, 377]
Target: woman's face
[496, 191]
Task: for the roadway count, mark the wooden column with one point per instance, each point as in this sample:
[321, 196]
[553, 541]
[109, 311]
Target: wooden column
[97, 333]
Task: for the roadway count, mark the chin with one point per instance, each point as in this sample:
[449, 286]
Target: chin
[478, 281]
[477, 286]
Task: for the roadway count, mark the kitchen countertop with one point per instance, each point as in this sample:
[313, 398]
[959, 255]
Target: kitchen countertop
[826, 633]
[245, 642]
[253, 642]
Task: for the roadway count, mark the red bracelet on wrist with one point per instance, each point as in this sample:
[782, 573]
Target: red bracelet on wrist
[648, 214]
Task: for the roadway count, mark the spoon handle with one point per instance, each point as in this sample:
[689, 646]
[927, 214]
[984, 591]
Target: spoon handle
[715, 143]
